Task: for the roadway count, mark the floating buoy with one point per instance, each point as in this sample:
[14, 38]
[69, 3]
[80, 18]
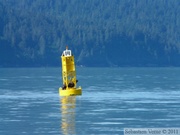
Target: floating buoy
[69, 87]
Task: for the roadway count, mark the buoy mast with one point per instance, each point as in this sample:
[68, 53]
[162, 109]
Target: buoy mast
[69, 75]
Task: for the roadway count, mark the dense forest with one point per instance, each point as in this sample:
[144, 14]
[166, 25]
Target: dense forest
[99, 32]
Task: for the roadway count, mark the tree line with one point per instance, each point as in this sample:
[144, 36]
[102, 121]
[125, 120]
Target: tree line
[99, 32]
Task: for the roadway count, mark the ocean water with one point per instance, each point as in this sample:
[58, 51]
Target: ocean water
[113, 99]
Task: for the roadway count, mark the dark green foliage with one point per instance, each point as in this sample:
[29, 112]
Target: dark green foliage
[99, 32]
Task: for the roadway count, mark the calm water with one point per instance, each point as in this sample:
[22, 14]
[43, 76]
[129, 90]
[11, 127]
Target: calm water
[113, 99]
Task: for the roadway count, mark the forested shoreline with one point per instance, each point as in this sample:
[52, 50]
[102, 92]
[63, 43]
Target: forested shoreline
[33, 33]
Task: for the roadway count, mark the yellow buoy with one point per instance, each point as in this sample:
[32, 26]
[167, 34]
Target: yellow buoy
[69, 75]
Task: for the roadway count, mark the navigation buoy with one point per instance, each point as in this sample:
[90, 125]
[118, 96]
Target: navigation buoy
[69, 87]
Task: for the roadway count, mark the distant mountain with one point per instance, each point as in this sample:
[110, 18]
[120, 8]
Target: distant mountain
[99, 32]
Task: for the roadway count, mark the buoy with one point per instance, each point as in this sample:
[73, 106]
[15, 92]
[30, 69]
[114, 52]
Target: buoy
[69, 87]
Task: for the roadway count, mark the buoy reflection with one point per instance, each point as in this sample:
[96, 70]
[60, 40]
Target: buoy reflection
[68, 106]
